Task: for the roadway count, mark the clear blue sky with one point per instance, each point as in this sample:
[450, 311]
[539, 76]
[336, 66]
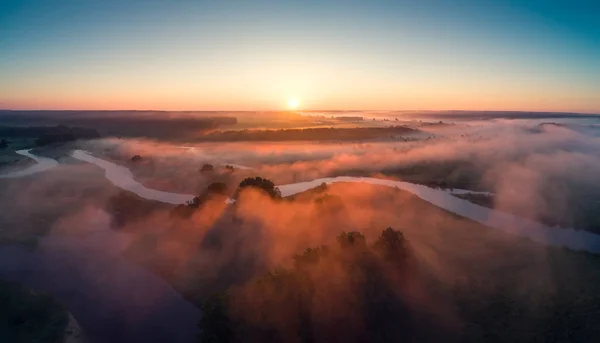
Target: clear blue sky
[498, 55]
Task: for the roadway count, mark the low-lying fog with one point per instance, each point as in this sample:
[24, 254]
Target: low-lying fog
[544, 172]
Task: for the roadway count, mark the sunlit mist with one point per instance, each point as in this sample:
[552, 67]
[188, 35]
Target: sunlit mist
[293, 103]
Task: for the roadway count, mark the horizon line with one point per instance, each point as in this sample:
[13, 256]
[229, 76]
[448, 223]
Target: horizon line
[305, 110]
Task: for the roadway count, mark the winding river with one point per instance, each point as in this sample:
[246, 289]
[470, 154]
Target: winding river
[87, 274]
[42, 164]
[567, 237]
[123, 178]
[574, 239]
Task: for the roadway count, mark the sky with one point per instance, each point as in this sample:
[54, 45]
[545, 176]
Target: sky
[330, 55]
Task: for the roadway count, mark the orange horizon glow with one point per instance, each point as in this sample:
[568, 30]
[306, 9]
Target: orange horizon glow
[265, 89]
[491, 103]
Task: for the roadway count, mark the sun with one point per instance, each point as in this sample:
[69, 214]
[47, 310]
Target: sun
[293, 103]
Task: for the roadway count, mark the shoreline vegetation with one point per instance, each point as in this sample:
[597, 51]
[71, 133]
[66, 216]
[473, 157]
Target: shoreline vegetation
[309, 134]
[45, 135]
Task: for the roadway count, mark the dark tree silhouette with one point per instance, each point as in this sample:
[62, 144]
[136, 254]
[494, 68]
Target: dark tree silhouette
[303, 304]
[392, 244]
[3, 143]
[323, 133]
[54, 138]
[310, 256]
[207, 168]
[321, 188]
[351, 240]
[187, 209]
[216, 325]
[262, 184]
[217, 188]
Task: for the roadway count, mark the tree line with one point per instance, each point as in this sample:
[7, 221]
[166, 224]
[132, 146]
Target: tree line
[344, 293]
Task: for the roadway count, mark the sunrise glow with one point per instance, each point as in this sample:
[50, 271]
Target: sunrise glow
[249, 57]
[293, 103]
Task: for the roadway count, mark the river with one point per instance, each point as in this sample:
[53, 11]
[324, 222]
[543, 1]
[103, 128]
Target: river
[567, 237]
[123, 178]
[42, 164]
[117, 301]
